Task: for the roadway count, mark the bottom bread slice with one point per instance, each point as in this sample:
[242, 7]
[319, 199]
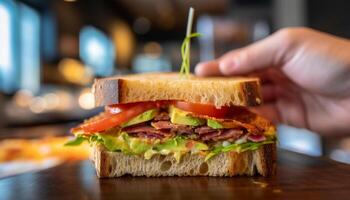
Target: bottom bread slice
[114, 164]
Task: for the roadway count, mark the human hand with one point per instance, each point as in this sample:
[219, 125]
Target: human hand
[305, 77]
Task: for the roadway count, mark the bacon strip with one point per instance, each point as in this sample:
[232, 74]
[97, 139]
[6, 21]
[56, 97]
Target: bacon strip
[148, 135]
[184, 130]
[256, 138]
[141, 128]
[204, 129]
[161, 125]
[229, 134]
[174, 128]
[146, 131]
[210, 136]
[163, 116]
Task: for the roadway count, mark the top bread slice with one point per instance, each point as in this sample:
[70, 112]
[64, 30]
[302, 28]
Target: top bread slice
[219, 91]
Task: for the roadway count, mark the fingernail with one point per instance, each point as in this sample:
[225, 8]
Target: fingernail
[198, 70]
[201, 69]
[227, 67]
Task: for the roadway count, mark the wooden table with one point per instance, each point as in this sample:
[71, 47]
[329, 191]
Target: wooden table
[299, 177]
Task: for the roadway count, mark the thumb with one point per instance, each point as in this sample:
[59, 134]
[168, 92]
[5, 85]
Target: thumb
[269, 52]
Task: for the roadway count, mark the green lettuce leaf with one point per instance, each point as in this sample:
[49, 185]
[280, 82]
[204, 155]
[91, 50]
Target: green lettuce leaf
[76, 141]
[176, 146]
[137, 146]
[237, 148]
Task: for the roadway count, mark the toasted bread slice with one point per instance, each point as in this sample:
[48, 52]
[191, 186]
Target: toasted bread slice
[220, 91]
[115, 164]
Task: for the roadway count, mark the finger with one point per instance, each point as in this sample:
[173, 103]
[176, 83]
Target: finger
[210, 68]
[264, 76]
[269, 92]
[261, 55]
[268, 111]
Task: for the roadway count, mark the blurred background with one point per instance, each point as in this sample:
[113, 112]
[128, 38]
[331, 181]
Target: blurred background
[50, 52]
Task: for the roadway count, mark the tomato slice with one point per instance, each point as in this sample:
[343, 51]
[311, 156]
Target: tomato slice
[202, 109]
[111, 120]
[120, 113]
[117, 108]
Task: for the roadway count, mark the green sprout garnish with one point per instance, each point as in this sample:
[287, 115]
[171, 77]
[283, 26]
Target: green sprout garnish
[185, 54]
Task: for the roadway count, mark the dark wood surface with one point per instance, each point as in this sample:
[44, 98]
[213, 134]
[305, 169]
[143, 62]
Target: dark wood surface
[298, 177]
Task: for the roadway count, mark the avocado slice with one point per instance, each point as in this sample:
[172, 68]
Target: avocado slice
[178, 116]
[138, 146]
[113, 143]
[214, 124]
[144, 117]
[124, 143]
[175, 144]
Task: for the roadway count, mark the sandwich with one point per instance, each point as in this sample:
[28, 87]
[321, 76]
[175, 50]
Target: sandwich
[162, 124]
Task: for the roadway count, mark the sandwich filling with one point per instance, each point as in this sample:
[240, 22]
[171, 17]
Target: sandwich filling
[175, 128]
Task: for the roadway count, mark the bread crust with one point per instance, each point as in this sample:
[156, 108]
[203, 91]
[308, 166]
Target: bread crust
[115, 164]
[219, 91]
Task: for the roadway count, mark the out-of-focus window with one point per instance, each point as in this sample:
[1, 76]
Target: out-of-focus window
[20, 47]
[96, 51]
[29, 48]
[8, 65]
[299, 140]
[49, 36]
